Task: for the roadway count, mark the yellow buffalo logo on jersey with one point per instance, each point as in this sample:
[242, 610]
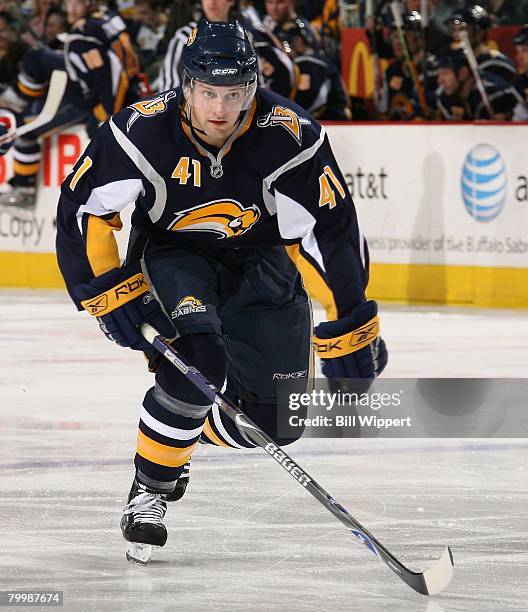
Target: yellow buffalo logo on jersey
[192, 37]
[149, 108]
[286, 118]
[228, 218]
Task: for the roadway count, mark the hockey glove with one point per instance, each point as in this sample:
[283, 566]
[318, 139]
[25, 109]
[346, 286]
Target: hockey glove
[351, 347]
[121, 301]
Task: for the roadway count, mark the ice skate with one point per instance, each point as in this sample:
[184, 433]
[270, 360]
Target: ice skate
[142, 523]
[20, 197]
[181, 485]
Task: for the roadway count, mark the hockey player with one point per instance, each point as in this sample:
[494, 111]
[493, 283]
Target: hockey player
[458, 98]
[37, 67]
[321, 90]
[100, 59]
[235, 192]
[409, 86]
[101, 68]
[476, 20]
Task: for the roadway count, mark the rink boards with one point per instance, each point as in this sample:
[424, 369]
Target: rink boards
[444, 209]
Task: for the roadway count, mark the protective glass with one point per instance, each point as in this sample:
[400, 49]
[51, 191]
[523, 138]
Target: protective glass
[230, 98]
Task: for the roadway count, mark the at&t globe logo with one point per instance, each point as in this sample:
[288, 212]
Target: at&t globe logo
[484, 182]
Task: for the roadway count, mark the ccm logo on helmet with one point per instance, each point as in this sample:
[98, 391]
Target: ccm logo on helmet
[220, 71]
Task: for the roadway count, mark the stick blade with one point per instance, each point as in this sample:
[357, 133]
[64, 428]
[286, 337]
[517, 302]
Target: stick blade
[440, 575]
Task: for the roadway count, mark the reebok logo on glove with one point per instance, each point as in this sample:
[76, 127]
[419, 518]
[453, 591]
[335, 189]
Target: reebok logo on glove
[117, 296]
[347, 343]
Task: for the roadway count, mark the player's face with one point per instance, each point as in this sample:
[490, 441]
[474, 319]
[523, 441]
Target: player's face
[76, 9]
[521, 55]
[216, 110]
[278, 10]
[447, 80]
[217, 10]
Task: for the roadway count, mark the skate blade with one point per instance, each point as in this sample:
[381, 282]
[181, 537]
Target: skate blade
[139, 553]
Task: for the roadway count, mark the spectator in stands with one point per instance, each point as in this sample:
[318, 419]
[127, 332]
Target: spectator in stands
[321, 90]
[56, 24]
[458, 96]
[152, 20]
[521, 80]
[12, 50]
[34, 28]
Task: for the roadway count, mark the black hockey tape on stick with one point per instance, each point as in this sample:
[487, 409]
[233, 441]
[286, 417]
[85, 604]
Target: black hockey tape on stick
[430, 582]
[56, 89]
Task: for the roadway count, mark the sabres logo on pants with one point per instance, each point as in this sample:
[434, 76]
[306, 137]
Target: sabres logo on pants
[227, 218]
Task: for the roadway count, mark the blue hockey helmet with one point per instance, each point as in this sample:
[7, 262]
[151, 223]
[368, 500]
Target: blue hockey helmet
[220, 53]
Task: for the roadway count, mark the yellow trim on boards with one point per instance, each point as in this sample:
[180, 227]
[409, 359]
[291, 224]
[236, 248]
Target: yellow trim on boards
[450, 285]
[31, 270]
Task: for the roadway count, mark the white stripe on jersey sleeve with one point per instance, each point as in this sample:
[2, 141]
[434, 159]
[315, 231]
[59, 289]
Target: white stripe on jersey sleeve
[144, 166]
[295, 222]
[110, 198]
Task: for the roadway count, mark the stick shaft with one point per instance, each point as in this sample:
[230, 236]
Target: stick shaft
[57, 87]
[260, 438]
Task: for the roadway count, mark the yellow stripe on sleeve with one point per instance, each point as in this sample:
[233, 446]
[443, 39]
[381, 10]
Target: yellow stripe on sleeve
[314, 283]
[101, 245]
[209, 432]
[161, 453]
[26, 169]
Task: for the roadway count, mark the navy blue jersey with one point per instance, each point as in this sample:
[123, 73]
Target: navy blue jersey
[100, 60]
[320, 90]
[274, 182]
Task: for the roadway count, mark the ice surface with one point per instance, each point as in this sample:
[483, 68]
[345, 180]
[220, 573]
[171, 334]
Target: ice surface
[245, 537]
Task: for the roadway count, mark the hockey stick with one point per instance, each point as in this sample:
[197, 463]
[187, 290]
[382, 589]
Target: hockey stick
[430, 582]
[472, 60]
[56, 89]
[396, 13]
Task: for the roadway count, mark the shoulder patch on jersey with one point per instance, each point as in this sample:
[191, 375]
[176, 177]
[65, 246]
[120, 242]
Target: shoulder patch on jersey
[149, 108]
[192, 37]
[287, 119]
[225, 217]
